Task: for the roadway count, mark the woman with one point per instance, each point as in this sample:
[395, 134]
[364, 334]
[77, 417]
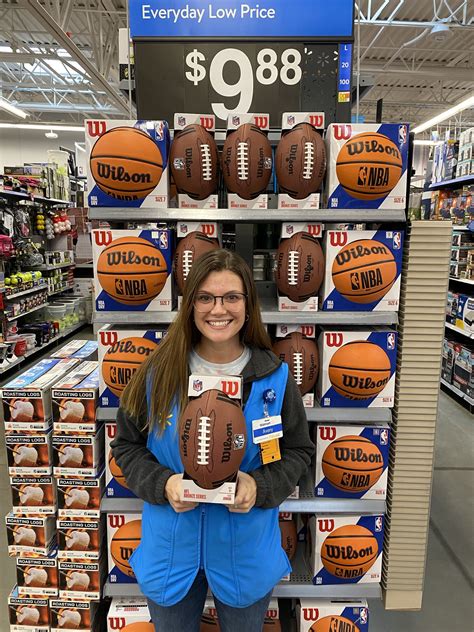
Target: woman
[186, 546]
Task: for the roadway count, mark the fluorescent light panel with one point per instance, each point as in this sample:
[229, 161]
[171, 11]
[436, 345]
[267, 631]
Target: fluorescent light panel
[6, 105]
[46, 128]
[467, 103]
[428, 143]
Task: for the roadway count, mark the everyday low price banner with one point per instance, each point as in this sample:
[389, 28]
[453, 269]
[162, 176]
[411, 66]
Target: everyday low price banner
[231, 18]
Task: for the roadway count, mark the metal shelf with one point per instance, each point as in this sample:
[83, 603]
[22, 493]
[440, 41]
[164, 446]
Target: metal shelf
[466, 281]
[33, 198]
[10, 318]
[54, 267]
[453, 183]
[66, 287]
[250, 216]
[323, 415]
[459, 331]
[37, 288]
[457, 392]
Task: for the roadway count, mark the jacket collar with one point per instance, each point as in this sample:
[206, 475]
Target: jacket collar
[262, 362]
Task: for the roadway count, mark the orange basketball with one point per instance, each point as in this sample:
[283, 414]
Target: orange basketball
[126, 163]
[122, 360]
[349, 551]
[116, 471]
[139, 626]
[132, 270]
[364, 271]
[334, 623]
[352, 463]
[124, 543]
[359, 370]
[369, 165]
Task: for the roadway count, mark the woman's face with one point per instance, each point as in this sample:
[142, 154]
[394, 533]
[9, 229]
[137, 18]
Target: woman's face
[222, 323]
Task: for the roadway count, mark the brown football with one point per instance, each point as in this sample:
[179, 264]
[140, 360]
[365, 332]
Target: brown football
[300, 161]
[212, 436]
[247, 161]
[300, 267]
[209, 624]
[271, 625]
[193, 162]
[289, 537]
[301, 355]
[188, 250]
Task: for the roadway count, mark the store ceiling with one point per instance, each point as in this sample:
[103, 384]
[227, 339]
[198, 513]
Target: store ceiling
[59, 58]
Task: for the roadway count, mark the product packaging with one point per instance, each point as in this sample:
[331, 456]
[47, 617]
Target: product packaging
[347, 616]
[115, 483]
[33, 494]
[124, 532]
[75, 399]
[38, 575]
[78, 455]
[28, 614]
[30, 535]
[80, 538]
[80, 497]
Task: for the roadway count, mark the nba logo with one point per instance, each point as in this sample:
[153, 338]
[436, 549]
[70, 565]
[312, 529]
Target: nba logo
[402, 134]
[197, 386]
[384, 437]
[397, 241]
[183, 228]
[236, 120]
[391, 341]
[363, 615]
[181, 121]
[164, 240]
[290, 121]
[159, 129]
[378, 523]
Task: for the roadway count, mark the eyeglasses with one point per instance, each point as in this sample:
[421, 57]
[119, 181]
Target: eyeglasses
[233, 301]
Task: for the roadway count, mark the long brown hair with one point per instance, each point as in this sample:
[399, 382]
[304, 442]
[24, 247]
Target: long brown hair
[166, 369]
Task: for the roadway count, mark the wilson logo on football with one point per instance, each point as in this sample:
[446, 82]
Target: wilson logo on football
[326, 525]
[284, 515]
[316, 120]
[342, 132]
[333, 340]
[337, 239]
[261, 121]
[230, 388]
[108, 338]
[116, 521]
[314, 230]
[327, 433]
[111, 430]
[307, 330]
[96, 128]
[103, 237]
[207, 122]
[208, 229]
[116, 623]
[310, 614]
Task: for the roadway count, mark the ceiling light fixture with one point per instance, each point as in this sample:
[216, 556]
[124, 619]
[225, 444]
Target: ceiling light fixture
[6, 105]
[427, 143]
[33, 126]
[51, 134]
[464, 105]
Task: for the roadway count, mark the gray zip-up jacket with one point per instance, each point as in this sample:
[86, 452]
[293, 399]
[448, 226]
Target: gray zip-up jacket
[147, 478]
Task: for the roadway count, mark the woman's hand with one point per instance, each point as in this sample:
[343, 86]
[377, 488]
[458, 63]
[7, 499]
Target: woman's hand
[172, 493]
[246, 494]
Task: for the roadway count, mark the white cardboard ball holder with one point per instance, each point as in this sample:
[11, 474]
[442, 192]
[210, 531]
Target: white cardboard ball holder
[308, 331]
[288, 229]
[33, 495]
[262, 121]
[44, 569]
[208, 121]
[231, 385]
[288, 121]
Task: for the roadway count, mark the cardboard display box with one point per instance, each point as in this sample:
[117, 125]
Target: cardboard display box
[78, 455]
[37, 576]
[78, 349]
[124, 612]
[33, 494]
[121, 527]
[28, 614]
[76, 614]
[115, 483]
[79, 497]
[81, 578]
[350, 616]
[30, 535]
[29, 454]
[75, 400]
[80, 539]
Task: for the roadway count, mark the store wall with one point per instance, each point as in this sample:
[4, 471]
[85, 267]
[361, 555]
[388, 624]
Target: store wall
[24, 146]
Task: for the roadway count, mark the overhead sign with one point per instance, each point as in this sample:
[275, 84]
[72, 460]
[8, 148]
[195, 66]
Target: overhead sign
[235, 19]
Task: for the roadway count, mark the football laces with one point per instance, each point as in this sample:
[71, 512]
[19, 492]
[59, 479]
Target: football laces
[298, 367]
[243, 161]
[308, 161]
[187, 262]
[206, 161]
[293, 266]
[204, 440]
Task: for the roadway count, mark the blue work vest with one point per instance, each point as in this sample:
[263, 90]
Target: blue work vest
[241, 554]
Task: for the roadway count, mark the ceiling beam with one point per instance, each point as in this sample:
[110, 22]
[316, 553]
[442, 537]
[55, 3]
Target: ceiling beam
[17, 58]
[430, 72]
[419, 24]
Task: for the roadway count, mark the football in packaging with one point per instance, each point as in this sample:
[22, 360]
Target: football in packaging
[346, 549]
[132, 270]
[367, 166]
[124, 532]
[322, 615]
[127, 163]
[363, 270]
[357, 368]
[352, 461]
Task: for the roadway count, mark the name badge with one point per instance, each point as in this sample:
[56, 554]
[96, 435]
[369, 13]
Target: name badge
[266, 429]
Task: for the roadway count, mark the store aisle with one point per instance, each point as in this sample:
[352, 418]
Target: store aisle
[448, 599]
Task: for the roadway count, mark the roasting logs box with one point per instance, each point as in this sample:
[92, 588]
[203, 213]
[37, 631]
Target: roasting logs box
[79, 349]
[79, 496]
[33, 494]
[357, 368]
[127, 163]
[37, 575]
[29, 454]
[363, 270]
[80, 538]
[132, 270]
[75, 399]
[127, 612]
[82, 615]
[81, 579]
[27, 398]
[124, 532]
[115, 483]
[121, 352]
[367, 166]
[78, 455]
[30, 535]
[346, 549]
[352, 461]
[322, 614]
[28, 614]
[209, 619]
